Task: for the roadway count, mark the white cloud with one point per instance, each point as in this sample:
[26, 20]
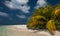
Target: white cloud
[17, 4]
[22, 1]
[41, 3]
[3, 14]
[21, 16]
[25, 8]
[9, 4]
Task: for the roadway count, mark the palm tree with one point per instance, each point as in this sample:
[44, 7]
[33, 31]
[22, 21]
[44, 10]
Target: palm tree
[57, 15]
[45, 17]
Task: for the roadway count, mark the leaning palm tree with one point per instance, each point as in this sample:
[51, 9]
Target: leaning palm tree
[36, 21]
[45, 17]
[57, 15]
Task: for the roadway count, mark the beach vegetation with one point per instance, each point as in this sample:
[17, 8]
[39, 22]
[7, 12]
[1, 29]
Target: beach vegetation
[47, 17]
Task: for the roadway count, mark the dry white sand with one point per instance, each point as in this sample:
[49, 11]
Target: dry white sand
[21, 30]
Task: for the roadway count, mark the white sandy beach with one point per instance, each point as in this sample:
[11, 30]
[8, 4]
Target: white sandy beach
[21, 30]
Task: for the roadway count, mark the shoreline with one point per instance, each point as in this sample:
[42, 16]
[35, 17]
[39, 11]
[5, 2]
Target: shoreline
[24, 28]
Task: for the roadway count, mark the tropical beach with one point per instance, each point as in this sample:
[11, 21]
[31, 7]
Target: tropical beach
[29, 17]
[21, 30]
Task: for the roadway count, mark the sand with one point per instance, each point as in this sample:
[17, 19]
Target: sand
[21, 30]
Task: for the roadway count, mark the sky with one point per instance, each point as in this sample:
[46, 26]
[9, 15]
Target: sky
[19, 11]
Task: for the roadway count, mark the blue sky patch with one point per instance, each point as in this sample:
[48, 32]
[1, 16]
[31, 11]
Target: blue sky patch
[19, 11]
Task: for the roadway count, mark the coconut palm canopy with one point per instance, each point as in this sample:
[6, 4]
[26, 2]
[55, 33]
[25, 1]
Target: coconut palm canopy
[46, 18]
